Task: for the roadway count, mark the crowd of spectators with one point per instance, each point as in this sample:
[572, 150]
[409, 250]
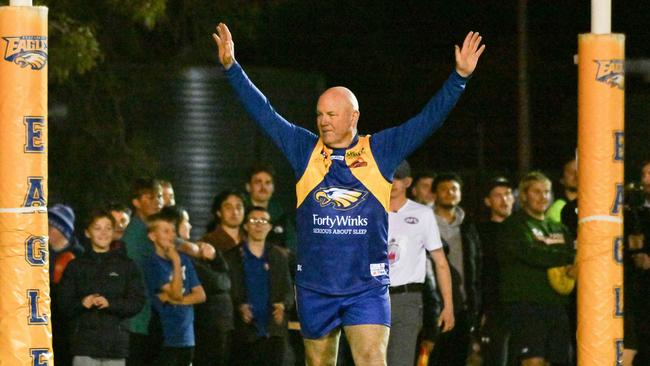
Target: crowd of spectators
[141, 292]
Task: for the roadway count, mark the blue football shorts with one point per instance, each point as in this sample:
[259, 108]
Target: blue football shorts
[321, 313]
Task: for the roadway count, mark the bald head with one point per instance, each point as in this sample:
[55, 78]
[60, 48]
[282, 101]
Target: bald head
[337, 114]
[343, 94]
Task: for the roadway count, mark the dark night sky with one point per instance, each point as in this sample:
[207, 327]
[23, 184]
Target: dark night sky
[395, 54]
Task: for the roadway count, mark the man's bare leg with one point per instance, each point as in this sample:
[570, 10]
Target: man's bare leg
[322, 351]
[368, 343]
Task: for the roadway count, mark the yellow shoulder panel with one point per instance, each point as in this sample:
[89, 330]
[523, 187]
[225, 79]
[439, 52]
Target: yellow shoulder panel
[363, 166]
[318, 165]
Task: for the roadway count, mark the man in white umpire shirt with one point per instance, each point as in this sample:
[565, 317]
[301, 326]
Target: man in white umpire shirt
[412, 233]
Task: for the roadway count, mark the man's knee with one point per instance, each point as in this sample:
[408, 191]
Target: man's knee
[322, 351]
[368, 343]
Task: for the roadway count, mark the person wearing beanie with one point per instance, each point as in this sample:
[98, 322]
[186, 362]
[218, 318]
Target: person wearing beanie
[62, 249]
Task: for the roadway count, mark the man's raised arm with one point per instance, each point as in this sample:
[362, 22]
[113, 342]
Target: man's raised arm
[294, 141]
[396, 143]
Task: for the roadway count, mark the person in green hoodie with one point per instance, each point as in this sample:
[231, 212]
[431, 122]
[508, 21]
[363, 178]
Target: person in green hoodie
[532, 244]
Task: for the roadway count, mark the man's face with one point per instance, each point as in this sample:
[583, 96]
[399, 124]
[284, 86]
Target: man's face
[231, 212]
[422, 191]
[149, 203]
[100, 233]
[399, 187]
[448, 194]
[163, 234]
[168, 196]
[645, 179]
[500, 201]
[336, 119]
[261, 187]
[570, 175]
[258, 225]
[122, 220]
[56, 239]
[537, 198]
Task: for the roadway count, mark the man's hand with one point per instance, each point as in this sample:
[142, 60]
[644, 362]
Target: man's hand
[172, 254]
[278, 312]
[446, 320]
[164, 298]
[100, 302]
[246, 313]
[225, 45]
[467, 56]
[88, 301]
[207, 251]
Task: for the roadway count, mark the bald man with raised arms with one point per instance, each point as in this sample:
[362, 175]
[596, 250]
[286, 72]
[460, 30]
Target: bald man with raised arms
[343, 196]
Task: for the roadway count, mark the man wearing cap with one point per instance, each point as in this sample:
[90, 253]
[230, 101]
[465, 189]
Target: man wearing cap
[343, 193]
[412, 232]
[499, 200]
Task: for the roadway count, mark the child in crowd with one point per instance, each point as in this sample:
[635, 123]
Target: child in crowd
[213, 320]
[173, 289]
[98, 292]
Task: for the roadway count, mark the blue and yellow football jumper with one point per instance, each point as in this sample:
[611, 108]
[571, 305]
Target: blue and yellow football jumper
[343, 195]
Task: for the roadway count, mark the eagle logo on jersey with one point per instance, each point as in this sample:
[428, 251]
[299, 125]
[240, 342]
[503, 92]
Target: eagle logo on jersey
[339, 198]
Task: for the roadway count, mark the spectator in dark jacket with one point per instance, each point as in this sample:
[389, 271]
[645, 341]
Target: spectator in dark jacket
[98, 292]
[261, 294]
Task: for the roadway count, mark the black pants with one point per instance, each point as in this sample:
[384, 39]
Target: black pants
[451, 348]
[175, 356]
[495, 334]
[264, 351]
[212, 349]
[142, 350]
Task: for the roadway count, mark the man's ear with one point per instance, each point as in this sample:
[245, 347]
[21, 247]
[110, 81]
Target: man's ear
[486, 202]
[136, 203]
[248, 187]
[408, 181]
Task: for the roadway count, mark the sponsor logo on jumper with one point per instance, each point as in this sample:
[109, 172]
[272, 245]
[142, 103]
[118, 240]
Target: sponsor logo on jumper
[26, 51]
[338, 225]
[339, 221]
[611, 72]
[411, 220]
[355, 154]
[337, 157]
[358, 163]
[554, 238]
[339, 198]
[378, 269]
